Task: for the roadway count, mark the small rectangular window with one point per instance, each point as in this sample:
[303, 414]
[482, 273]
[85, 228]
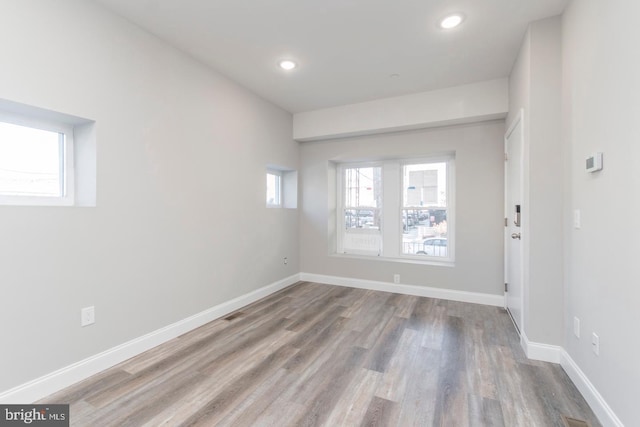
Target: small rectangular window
[36, 163]
[274, 189]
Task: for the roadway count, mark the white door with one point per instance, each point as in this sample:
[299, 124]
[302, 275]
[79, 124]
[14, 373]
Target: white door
[514, 214]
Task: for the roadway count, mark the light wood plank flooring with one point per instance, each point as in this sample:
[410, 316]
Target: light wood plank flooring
[319, 355]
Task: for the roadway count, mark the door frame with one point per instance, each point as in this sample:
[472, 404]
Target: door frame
[519, 119]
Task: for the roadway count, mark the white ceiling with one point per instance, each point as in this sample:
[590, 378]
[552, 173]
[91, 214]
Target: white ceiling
[346, 49]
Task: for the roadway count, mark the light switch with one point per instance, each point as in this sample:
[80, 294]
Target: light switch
[577, 221]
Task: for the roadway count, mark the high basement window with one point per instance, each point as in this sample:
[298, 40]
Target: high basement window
[282, 187]
[36, 163]
[46, 158]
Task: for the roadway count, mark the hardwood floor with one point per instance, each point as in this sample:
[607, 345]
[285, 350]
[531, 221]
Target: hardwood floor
[320, 355]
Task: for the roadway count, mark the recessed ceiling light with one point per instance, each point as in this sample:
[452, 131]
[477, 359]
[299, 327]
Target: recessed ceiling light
[451, 21]
[287, 65]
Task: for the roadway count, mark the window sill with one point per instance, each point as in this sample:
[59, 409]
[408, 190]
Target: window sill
[430, 262]
[36, 201]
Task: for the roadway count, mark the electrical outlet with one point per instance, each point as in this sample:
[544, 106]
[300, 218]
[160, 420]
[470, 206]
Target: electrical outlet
[396, 278]
[576, 327]
[88, 316]
[595, 344]
[285, 260]
[577, 219]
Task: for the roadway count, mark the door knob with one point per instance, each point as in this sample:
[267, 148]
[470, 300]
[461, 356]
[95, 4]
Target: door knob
[515, 236]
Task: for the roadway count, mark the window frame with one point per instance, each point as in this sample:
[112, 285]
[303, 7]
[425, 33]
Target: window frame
[341, 208]
[66, 159]
[449, 159]
[391, 211]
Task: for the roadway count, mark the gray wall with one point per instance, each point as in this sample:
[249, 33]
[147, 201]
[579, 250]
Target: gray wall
[601, 107]
[535, 87]
[479, 198]
[180, 223]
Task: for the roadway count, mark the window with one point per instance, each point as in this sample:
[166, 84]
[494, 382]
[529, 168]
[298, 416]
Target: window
[424, 209]
[282, 187]
[397, 209]
[47, 158]
[274, 188]
[361, 211]
[36, 162]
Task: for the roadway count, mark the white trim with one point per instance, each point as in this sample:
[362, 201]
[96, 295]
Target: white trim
[557, 354]
[539, 351]
[421, 291]
[48, 384]
[595, 400]
[519, 119]
[514, 123]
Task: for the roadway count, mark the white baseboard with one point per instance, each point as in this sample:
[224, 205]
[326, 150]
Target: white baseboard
[538, 351]
[48, 384]
[421, 291]
[595, 400]
[557, 354]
